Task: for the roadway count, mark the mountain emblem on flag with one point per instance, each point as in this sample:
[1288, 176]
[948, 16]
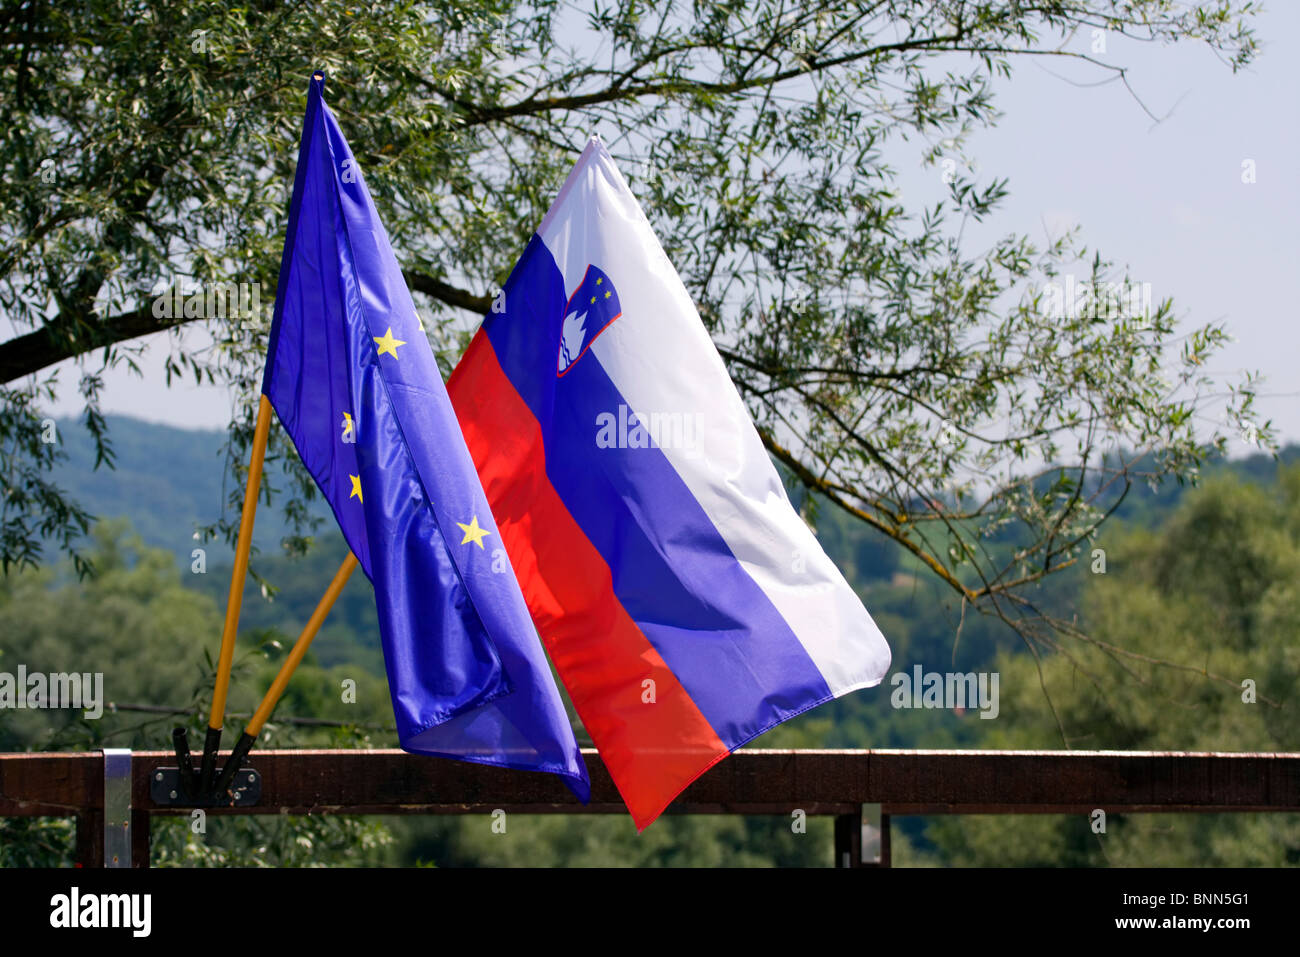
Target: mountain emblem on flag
[590, 311]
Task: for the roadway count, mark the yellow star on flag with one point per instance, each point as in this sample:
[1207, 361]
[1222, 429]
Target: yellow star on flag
[356, 486]
[387, 343]
[473, 533]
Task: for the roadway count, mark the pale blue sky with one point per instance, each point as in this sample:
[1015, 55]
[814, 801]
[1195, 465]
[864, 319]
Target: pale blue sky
[1167, 199]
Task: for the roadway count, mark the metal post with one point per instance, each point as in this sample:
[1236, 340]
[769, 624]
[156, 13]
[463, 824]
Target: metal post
[117, 807]
[862, 839]
[848, 840]
[140, 838]
[90, 838]
[875, 837]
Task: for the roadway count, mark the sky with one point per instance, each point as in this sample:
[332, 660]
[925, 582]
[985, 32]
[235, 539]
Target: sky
[1166, 198]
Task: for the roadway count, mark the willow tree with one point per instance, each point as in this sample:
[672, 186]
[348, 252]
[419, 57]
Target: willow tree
[936, 393]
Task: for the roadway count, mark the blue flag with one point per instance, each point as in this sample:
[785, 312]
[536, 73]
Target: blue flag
[355, 384]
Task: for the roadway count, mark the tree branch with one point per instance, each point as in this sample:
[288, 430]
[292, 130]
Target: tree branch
[445, 292]
[67, 336]
[56, 341]
[812, 482]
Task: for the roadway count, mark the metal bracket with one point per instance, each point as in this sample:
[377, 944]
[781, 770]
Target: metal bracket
[117, 807]
[166, 790]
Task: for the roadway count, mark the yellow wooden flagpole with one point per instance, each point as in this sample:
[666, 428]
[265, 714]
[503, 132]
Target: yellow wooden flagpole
[236, 597]
[287, 668]
[259, 718]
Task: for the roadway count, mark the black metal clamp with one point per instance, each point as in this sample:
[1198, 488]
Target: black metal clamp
[183, 786]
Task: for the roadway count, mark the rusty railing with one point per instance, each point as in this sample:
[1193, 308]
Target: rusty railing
[861, 789]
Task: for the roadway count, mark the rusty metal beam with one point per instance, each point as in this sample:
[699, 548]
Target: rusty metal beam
[749, 782]
[50, 784]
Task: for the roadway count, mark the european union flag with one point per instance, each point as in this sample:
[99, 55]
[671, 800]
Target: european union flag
[355, 384]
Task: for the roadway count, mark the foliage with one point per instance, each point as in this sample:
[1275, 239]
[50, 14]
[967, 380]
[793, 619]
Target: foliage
[1215, 585]
[612, 841]
[283, 841]
[928, 390]
[150, 637]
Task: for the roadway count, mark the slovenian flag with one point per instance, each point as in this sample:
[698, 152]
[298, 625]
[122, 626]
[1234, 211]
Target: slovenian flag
[684, 602]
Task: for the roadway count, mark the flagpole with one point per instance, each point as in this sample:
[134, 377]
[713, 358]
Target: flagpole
[300, 647]
[201, 782]
[234, 601]
[287, 668]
